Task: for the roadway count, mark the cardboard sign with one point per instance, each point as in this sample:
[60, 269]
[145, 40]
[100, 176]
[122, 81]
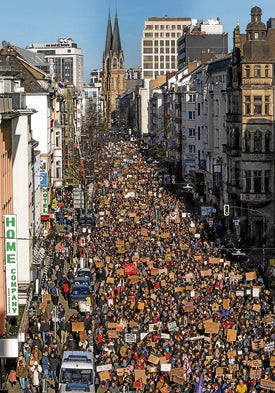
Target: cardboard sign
[231, 335]
[134, 279]
[249, 276]
[272, 361]
[256, 307]
[110, 280]
[121, 371]
[111, 325]
[83, 335]
[120, 272]
[153, 359]
[112, 334]
[211, 327]
[206, 273]
[219, 371]
[257, 344]
[267, 384]
[226, 304]
[215, 307]
[141, 306]
[255, 373]
[215, 260]
[78, 326]
[104, 375]
[178, 380]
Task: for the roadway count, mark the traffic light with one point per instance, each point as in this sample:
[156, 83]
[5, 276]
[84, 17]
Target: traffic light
[226, 210]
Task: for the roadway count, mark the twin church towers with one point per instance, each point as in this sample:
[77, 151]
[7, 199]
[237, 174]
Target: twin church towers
[113, 75]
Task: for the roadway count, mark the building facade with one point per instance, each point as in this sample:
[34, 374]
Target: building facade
[201, 40]
[65, 59]
[113, 76]
[159, 45]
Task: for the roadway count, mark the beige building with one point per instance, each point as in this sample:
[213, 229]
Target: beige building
[159, 45]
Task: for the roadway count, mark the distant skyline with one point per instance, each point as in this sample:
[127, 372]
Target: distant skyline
[85, 21]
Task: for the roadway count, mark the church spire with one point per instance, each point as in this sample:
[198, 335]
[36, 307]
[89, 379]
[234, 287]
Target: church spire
[108, 42]
[116, 44]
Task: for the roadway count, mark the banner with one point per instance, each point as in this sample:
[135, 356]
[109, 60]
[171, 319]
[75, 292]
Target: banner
[11, 265]
[130, 268]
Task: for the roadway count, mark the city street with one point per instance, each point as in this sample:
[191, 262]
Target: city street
[166, 309]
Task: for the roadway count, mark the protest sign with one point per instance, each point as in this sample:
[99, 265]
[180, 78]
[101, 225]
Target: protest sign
[140, 375]
[231, 335]
[153, 359]
[78, 326]
[166, 367]
[249, 276]
[211, 327]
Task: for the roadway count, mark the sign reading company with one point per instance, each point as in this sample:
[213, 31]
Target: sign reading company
[11, 265]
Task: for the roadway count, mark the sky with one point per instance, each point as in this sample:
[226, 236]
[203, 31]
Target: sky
[85, 21]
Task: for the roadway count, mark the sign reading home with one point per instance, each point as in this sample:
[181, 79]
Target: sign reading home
[11, 265]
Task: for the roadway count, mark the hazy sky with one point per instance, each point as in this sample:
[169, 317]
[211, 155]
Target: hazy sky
[85, 21]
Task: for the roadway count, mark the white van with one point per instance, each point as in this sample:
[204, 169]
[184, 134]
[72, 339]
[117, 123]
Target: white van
[77, 372]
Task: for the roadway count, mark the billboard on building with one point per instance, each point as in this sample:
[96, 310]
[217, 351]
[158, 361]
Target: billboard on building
[11, 265]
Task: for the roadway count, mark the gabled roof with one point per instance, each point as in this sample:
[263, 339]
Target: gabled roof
[32, 78]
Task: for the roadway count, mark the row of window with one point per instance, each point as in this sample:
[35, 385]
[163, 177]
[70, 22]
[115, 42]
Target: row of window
[158, 50]
[159, 43]
[163, 66]
[257, 105]
[164, 27]
[162, 35]
[159, 58]
[257, 182]
[257, 71]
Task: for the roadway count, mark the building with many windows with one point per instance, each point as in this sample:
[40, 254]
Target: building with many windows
[66, 60]
[202, 40]
[159, 45]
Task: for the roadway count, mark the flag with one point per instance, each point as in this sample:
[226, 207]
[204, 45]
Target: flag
[200, 384]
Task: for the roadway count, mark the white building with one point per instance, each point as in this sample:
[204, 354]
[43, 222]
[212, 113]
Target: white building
[66, 60]
[159, 45]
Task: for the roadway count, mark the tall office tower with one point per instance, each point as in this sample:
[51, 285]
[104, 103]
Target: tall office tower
[113, 76]
[66, 60]
[159, 45]
[202, 40]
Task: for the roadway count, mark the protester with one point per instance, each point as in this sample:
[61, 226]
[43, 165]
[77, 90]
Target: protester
[169, 311]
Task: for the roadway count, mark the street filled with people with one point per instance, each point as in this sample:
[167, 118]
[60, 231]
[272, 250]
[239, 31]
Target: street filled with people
[164, 310]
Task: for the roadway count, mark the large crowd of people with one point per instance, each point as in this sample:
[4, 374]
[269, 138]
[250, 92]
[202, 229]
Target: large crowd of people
[169, 311]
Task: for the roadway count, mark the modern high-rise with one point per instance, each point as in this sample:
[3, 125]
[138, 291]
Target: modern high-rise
[159, 45]
[66, 61]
